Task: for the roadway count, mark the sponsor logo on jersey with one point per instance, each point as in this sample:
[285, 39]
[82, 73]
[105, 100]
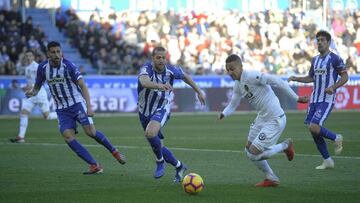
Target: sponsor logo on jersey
[321, 71]
[56, 80]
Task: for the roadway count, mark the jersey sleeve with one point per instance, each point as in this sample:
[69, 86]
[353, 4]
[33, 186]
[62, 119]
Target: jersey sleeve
[144, 70]
[256, 77]
[339, 64]
[40, 76]
[311, 71]
[234, 102]
[75, 73]
[178, 72]
[280, 84]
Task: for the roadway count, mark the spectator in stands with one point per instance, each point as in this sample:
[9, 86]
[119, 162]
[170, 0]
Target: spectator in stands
[82, 70]
[194, 38]
[60, 19]
[27, 27]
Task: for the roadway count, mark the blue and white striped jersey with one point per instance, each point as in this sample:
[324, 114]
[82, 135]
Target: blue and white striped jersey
[325, 72]
[62, 82]
[151, 100]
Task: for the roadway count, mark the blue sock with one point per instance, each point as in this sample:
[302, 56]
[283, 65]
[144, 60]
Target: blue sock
[169, 157]
[81, 152]
[155, 143]
[322, 147]
[101, 138]
[327, 133]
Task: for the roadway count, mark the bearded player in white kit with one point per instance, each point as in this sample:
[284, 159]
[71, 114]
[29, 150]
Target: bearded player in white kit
[28, 104]
[270, 121]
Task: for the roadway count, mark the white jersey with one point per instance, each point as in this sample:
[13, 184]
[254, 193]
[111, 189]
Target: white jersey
[30, 74]
[41, 98]
[255, 87]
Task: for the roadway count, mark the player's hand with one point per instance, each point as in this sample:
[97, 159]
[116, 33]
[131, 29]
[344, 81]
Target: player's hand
[165, 87]
[29, 93]
[26, 88]
[221, 116]
[303, 99]
[201, 98]
[90, 112]
[330, 90]
[291, 78]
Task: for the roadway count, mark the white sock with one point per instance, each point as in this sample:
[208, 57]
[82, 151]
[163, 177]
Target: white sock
[52, 116]
[274, 150]
[263, 166]
[329, 159]
[23, 125]
[159, 160]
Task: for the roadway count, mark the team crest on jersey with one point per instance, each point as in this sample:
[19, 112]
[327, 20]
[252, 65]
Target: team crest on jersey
[166, 78]
[262, 136]
[60, 72]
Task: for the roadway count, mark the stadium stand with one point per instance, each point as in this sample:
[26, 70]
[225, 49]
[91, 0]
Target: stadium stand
[271, 41]
[278, 42]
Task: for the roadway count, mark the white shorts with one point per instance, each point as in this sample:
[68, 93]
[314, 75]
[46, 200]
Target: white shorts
[40, 99]
[265, 134]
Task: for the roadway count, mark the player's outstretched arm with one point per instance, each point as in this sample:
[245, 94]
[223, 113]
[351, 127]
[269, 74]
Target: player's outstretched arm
[188, 80]
[147, 83]
[277, 82]
[233, 104]
[305, 79]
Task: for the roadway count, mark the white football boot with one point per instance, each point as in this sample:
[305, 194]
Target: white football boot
[326, 164]
[338, 144]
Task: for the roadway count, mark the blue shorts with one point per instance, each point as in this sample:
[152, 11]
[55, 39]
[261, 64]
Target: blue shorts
[69, 116]
[318, 112]
[162, 116]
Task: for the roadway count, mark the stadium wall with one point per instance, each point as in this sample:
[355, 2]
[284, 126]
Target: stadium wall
[116, 94]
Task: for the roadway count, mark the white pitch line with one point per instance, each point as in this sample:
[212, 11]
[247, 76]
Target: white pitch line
[173, 148]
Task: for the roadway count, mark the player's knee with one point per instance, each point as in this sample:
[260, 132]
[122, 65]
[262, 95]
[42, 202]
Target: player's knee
[68, 135]
[91, 132]
[151, 132]
[314, 129]
[25, 112]
[251, 156]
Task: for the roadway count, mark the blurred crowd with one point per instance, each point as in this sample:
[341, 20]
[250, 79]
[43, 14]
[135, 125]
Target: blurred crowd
[276, 42]
[279, 42]
[15, 39]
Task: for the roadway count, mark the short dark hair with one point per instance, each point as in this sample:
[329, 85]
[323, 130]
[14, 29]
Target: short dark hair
[233, 57]
[157, 49]
[53, 44]
[30, 51]
[325, 34]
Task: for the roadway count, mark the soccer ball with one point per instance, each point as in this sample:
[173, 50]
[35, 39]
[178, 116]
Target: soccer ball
[193, 183]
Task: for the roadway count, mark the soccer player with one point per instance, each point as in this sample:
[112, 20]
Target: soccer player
[270, 121]
[28, 104]
[324, 72]
[72, 101]
[155, 94]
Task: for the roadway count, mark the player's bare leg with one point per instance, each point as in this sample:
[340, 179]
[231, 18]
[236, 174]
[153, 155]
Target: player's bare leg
[24, 120]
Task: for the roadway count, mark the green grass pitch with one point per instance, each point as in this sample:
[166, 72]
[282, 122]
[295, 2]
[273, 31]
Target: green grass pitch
[44, 169]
